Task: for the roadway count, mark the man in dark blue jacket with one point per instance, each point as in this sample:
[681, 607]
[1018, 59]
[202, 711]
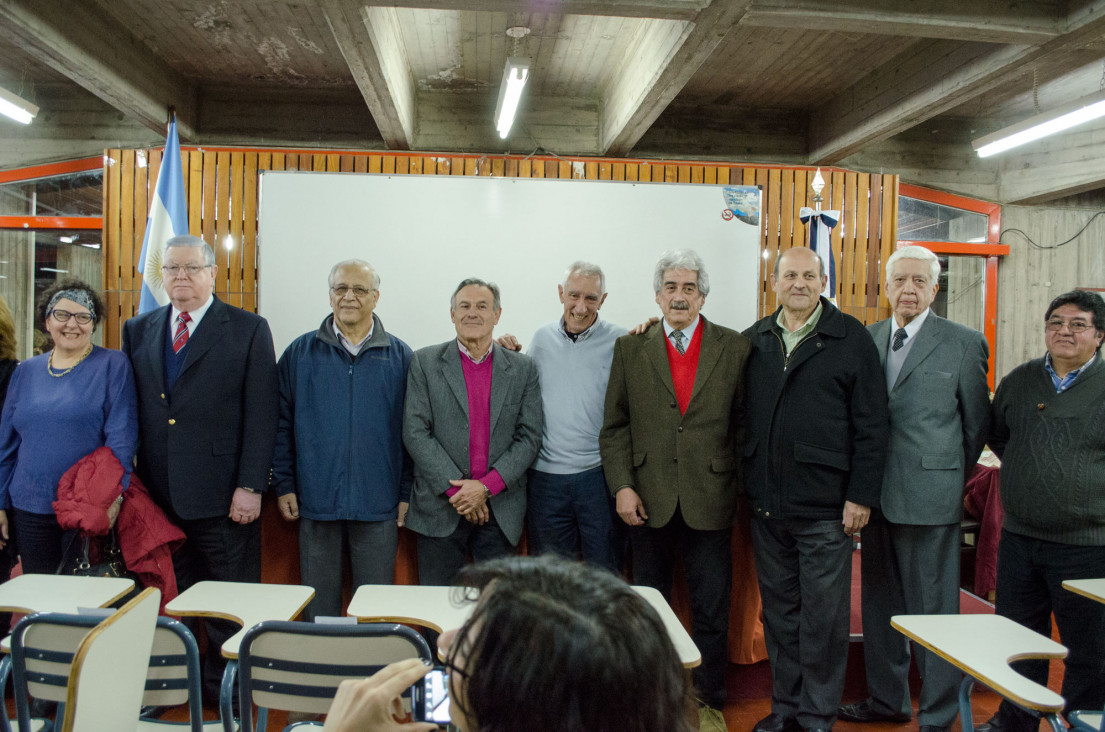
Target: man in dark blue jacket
[339, 466]
[813, 464]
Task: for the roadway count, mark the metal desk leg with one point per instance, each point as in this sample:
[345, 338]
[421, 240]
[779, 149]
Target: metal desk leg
[966, 720]
[226, 695]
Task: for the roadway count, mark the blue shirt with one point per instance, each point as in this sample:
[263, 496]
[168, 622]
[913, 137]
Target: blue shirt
[49, 423]
[1064, 383]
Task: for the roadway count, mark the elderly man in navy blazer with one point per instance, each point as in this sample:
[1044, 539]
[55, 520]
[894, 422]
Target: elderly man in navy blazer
[207, 410]
[472, 424]
[939, 404]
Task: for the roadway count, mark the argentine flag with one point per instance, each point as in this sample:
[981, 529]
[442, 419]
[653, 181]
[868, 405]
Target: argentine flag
[168, 218]
[821, 223]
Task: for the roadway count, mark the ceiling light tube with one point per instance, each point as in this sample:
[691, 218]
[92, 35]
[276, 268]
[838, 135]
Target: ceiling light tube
[16, 107]
[1063, 118]
[510, 93]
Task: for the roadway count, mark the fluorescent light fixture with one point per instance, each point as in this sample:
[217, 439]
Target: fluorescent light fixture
[16, 107]
[510, 92]
[67, 239]
[1063, 118]
[51, 269]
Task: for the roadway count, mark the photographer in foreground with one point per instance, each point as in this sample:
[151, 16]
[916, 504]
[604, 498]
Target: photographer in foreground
[551, 645]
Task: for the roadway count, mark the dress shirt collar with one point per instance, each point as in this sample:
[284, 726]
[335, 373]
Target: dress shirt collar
[353, 348]
[195, 315]
[910, 329]
[468, 355]
[688, 332]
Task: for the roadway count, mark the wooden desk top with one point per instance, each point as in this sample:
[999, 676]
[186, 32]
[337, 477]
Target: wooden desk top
[433, 607]
[982, 646]
[1091, 588]
[59, 593]
[246, 603]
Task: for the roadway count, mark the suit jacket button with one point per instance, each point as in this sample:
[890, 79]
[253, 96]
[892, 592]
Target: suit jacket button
[172, 421]
[162, 396]
[675, 460]
[679, 429]
[673, 405]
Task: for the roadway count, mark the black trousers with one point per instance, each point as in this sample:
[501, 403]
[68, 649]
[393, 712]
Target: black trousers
[217, 549]
[1030, 578]
[440, 558]
[804, 569]
[707, 562]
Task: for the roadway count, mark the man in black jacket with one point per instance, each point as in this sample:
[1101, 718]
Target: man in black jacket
[813, 464]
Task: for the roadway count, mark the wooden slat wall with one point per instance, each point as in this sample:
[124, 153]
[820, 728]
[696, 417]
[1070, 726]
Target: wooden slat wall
[222, 188]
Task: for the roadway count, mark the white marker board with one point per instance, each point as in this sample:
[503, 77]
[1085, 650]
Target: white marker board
[424, 234]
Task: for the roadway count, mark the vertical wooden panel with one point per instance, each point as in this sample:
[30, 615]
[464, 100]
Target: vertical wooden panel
[333, 163]
[416, 165]
[632, 172]
[126, 210]
[360, 164]
[402, 164]
[388, 167]
[249, 227]
[237, 243]
[346, 164]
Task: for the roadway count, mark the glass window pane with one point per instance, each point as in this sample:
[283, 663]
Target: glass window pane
[72, 194]
[962, 291]
[924, 221]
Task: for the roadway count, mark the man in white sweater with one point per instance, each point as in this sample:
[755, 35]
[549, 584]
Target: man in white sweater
[569, 508]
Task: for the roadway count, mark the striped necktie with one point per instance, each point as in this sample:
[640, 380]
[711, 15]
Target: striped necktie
[677, 336]
[899, 338]
[180, 340]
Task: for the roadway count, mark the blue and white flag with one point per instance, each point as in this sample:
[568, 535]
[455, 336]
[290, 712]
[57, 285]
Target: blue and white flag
[822, 223]
[168, 218]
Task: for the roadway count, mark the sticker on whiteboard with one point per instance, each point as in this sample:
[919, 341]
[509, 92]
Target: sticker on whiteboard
[743, 202]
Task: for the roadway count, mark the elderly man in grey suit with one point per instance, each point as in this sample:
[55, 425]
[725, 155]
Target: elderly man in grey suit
[472, 424]
[939, 402]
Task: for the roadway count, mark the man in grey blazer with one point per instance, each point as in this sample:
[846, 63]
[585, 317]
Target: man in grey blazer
[939, 406]
[472, 424]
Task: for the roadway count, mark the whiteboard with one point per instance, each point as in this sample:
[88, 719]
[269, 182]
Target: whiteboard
[424, 234]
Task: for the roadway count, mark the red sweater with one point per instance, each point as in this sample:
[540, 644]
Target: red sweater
[683, 368]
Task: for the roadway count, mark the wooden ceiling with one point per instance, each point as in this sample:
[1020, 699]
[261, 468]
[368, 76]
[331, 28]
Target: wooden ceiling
[880, 85]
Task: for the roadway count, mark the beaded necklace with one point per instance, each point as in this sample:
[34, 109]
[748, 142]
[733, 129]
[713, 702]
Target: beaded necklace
[50, 363]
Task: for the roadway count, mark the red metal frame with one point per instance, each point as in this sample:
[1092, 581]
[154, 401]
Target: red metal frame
[52, 222]
[992, 250]
[45, 171]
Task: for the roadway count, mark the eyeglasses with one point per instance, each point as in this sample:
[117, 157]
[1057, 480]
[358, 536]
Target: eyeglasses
[340, 291]
[1075, 326]
[63, 316]
[189, 269]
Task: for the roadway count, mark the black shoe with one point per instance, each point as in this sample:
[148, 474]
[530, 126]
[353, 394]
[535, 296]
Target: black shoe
[933, 728]
[864, 711]
[777, 723]
[993, 724]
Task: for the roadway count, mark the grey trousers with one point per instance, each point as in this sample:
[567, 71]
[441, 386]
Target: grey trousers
[804, 569]
[372, 546]
[914, 570]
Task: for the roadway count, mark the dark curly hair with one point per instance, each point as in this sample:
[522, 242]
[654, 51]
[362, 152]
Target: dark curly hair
[555, 645]
[71, 283]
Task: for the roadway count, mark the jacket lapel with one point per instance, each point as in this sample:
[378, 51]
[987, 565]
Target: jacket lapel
[928, 338]
[657, 352]
[151, 350]
[453, 374]
[500, 382]
[880, 334]
[709, 352]
[209, 331]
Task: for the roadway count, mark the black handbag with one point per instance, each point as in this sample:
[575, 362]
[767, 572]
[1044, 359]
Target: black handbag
[109, 563]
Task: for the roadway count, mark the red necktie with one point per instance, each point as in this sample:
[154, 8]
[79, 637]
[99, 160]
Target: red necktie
[180, 340]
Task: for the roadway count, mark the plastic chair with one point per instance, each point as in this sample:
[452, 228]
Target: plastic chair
[99, 685]
[172, 679]
[297, 666]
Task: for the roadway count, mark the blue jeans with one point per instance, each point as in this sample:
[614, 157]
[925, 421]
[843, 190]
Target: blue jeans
[573, 513]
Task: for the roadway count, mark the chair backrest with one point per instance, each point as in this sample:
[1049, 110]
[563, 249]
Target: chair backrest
[297, 666]
[95, 666]
[174, 677]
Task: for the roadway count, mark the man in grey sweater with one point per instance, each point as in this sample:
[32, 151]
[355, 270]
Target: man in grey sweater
[1049, 429]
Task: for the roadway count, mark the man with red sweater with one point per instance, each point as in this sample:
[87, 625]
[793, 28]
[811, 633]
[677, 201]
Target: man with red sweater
[670, 446]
